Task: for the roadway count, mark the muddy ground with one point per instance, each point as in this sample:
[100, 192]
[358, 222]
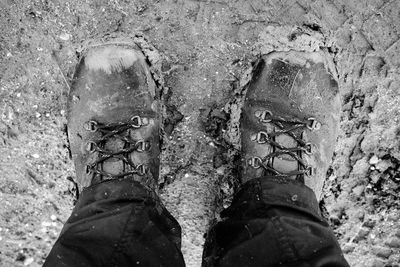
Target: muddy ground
[204, 50]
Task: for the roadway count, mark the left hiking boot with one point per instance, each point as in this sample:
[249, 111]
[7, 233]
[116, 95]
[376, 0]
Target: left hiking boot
[290, 119]
[114, 116]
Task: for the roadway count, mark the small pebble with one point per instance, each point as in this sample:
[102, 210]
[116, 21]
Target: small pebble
[220, 170]
[348, 248]
[393, 242]
[377, 263]
[362, 234]
[396, 234]
[373, 160]
[35, 156]
[28, 261]
[375, 177]
[369, 223]
[65, 36]
[393, 217]
[53, 217]
[382, 252]
[358, 190]
[46, 224]
[20, 257]
[383, 165]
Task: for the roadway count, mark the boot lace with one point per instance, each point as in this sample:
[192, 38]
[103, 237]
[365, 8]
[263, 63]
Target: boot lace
[118, 131]
[287, 127]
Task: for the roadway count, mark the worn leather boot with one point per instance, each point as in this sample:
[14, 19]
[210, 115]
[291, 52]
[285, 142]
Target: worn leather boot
[114, 116]
[290, 119]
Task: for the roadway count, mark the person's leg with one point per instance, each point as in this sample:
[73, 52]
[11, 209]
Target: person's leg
[289, 126]
[113, 131]
[273, 222]
[118, 223]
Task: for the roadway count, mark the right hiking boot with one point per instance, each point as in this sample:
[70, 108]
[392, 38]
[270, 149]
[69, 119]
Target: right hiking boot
[114, 116]
[290, 119]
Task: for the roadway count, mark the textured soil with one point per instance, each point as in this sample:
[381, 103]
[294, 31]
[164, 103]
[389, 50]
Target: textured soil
[202, 55]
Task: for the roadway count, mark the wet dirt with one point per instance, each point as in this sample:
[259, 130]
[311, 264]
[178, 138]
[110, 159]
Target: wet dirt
[202, 57]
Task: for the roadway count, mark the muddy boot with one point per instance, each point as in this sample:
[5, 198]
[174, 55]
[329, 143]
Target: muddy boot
[290, 119]
[289, 126]
[113, 129]
[114, 117]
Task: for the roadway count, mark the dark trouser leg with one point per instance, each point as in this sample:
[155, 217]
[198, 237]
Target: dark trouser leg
[118, 223]
[273, 222]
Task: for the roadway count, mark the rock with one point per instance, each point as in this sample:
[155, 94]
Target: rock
[12, 132]
[393, 242]
[221, 170]
[348, 248]
[28, 261]
[360, 168]
[375, 177]
[46, 224]
[53, 217]
[377, 263]
[397, 233]
[383, 165]
[20, 257]
[358, 190]
[369, 223]
[373, 160]
[382, 252]
[393, 217]
[362, 234]
[65, 36]
[359, 214]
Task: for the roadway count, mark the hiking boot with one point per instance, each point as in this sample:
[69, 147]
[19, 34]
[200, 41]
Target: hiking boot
[114, 117]
[290, 119]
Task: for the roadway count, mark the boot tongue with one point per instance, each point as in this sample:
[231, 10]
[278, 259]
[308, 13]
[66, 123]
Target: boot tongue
[113, 165]
[285, 163]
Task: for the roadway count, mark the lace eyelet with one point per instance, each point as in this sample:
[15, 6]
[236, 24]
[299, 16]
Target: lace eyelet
[88, 169]
[262, 137]
[255, 162]
[142, 146]
[90, 126]
[309, 171]
[90, 146]
[263, 114]
[313, 124]
[138, 122]
[141, 169]
[308, 149]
